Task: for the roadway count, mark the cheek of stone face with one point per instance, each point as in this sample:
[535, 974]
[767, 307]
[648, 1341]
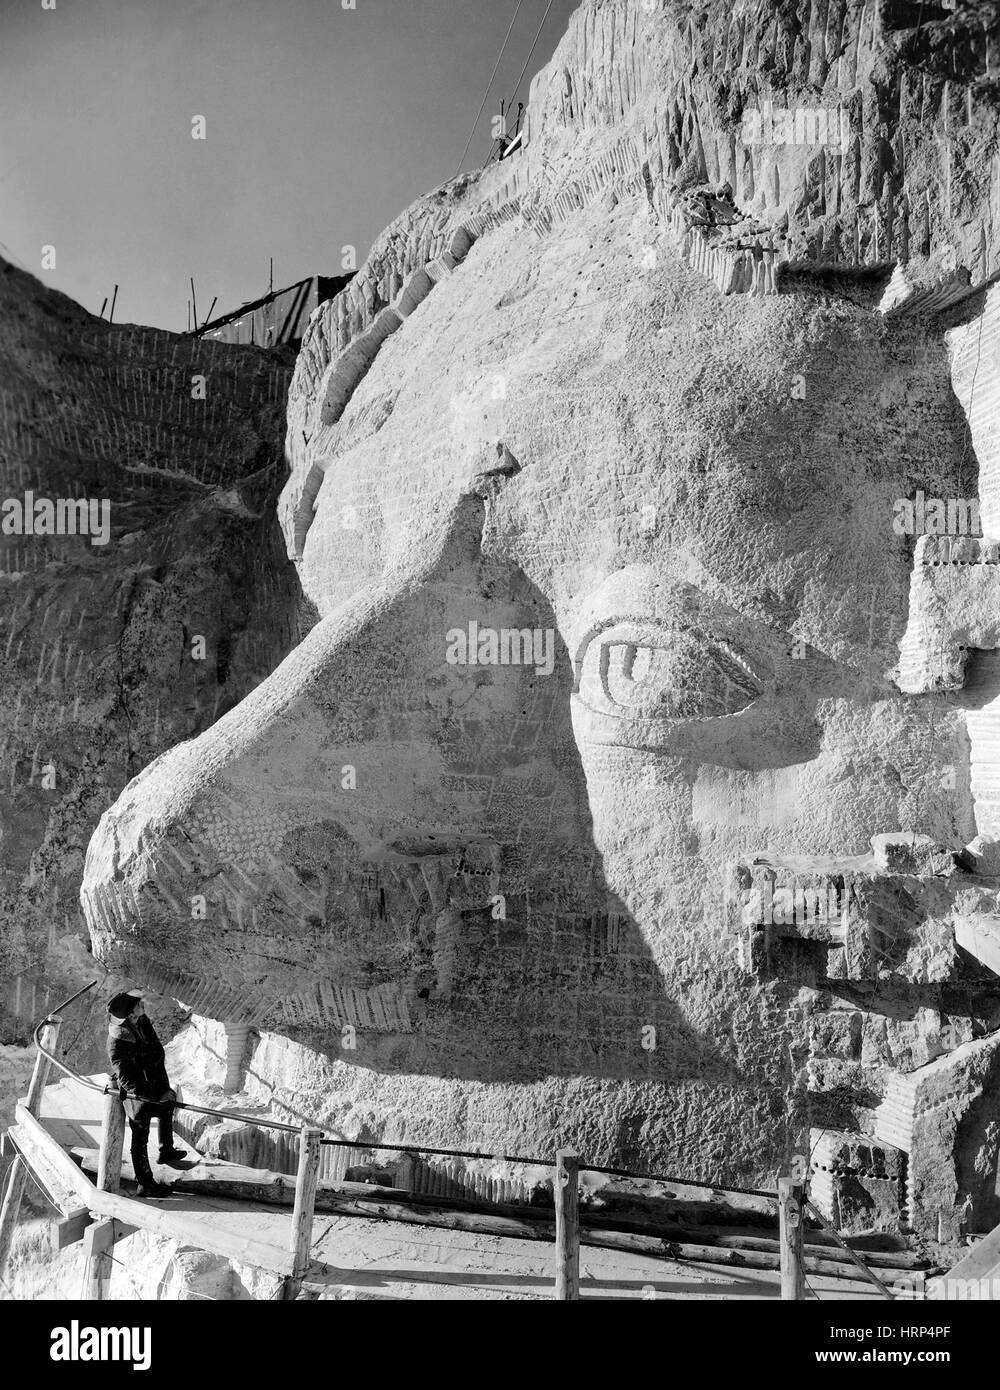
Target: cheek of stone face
[668, 828]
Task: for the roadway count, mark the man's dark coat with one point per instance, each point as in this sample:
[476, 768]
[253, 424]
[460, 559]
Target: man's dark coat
[137, 1063]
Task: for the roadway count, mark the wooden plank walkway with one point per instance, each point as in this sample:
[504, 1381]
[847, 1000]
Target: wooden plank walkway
[352, 1256]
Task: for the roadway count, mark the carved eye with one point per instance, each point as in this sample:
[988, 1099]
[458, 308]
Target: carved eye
[648, 672]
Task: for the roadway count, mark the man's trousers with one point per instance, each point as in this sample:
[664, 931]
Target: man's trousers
[139, 1125]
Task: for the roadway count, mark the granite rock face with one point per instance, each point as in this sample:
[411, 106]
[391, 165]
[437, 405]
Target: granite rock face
[122, 639]
[593, 476]
[856, 1184]
[146, 1268]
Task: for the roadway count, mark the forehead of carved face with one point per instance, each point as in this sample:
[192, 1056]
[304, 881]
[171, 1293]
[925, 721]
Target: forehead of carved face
[631, 415]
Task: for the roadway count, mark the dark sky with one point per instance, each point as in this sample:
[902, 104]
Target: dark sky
[322, 124]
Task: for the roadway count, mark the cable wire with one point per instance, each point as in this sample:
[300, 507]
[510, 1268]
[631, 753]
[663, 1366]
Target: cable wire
[49, 1201]
[160, 1284]
[80, 1031]
[489, 84]
[530, 51]
[16, 259]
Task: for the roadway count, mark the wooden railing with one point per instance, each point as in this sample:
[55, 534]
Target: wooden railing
[100, 1236]
[789, 1201]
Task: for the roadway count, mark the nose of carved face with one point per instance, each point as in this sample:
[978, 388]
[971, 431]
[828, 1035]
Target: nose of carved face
[316, 857]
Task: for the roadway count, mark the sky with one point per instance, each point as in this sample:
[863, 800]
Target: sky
[321, 125]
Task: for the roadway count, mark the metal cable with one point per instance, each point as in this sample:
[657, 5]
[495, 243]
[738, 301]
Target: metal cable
[853, 1255]
[377, 1145]
[160, 1284]
[79, 1032]
[530, 51]
[488, 86]
[16, 259]
[49, 1201]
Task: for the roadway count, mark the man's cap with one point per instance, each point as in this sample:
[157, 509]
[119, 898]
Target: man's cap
[123, 1004]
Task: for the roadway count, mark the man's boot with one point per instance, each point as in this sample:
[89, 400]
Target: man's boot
[169, 1153]
[148, 1186]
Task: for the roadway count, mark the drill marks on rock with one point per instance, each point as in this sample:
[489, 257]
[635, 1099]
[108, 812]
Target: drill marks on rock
[924, 1113]
[955, 581]
[981, 699]
[903, 299]
[867, 205]
[975, 346]
[737, 270]
[857, 1184]
[247, 904]
[381, 1009]
[619, 171]
[321, 1004]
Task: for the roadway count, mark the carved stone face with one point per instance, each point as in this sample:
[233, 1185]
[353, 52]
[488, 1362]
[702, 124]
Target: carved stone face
[609, 599]
[674, 511]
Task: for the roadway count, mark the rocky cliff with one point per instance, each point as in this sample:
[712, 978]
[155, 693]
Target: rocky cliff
[144, 590]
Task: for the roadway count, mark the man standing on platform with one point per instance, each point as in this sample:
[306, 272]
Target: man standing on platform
[137, 1065]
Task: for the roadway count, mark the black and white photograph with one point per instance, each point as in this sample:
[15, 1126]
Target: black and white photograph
[499, 676]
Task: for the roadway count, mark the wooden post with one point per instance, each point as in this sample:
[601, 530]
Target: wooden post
[566, 1191]
[793, 1283]
[70, 1228]
[40, 1075]
[17, 1177]
[109, 1163]
[98, 1240]
[302, 1216]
